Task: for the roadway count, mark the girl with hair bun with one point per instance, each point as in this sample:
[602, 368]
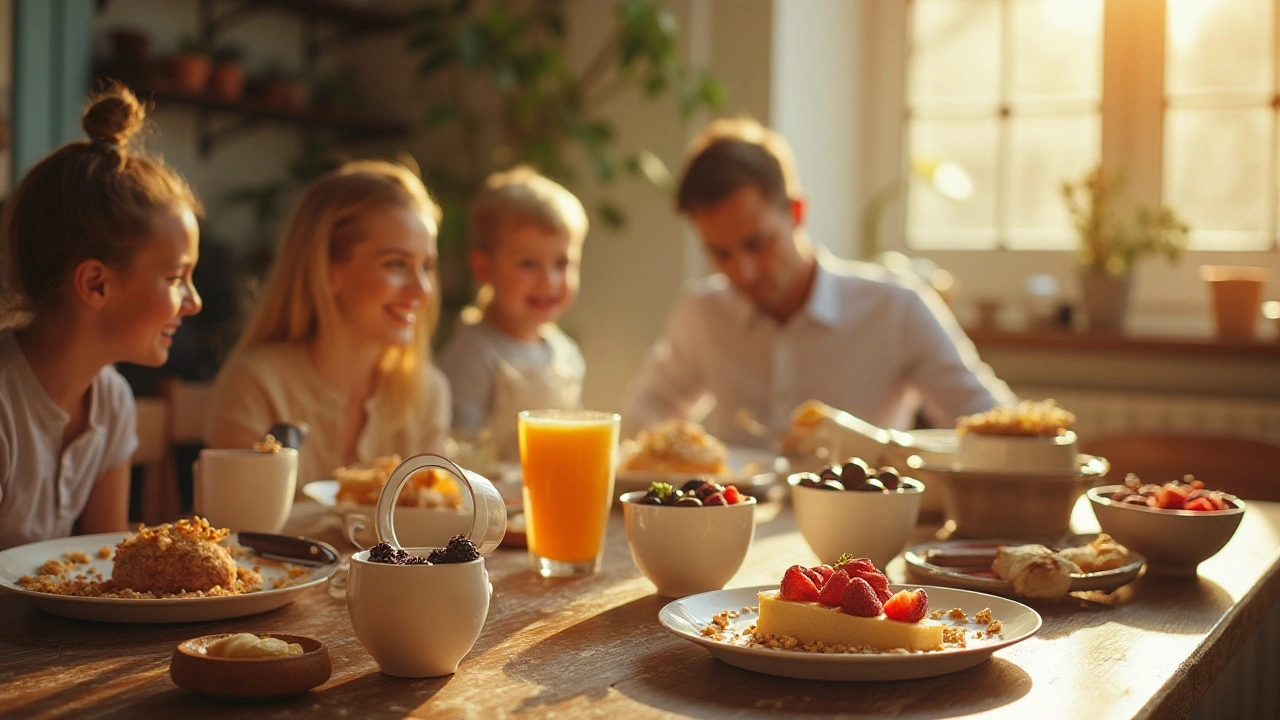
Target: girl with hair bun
[99, 244]
[340, 339]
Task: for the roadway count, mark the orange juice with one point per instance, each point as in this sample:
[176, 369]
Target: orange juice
[567, 459]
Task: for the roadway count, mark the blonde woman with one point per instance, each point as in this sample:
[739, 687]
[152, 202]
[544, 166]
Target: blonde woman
[340, 339]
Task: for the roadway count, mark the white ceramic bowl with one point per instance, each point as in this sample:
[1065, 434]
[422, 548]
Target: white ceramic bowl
[1173, 541]
[1017, 453]
[688, 550]
[875, 525]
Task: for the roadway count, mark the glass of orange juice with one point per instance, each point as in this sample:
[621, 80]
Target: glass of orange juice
[567, 461]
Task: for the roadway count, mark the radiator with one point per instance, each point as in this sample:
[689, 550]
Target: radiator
[1246, 689]
[1106, 412]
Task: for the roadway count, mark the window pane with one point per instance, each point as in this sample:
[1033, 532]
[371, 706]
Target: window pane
[1057, 48]
[1216, 174]
[1219, 45]
[935, 221]
[1045, 152]
[955, 51]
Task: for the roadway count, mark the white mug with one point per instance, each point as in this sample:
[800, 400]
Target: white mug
[244, 489]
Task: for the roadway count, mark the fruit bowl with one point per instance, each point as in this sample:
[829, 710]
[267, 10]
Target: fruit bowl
[688, 550]
[1174, 542]
[875, 525]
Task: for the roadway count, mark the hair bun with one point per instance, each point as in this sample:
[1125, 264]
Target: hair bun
[114, 115]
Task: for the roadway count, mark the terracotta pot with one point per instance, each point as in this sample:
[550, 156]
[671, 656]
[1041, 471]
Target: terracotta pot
[130, 46]
[1106, 300]
[228, 80]
[191, 72]
[1236, 296]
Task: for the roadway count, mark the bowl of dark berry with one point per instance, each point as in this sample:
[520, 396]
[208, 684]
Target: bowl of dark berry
[1176, 525]
[419, 611]
[689, 539]
[852, 507]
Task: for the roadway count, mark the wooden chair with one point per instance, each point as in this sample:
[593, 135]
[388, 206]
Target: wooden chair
[1244, 467]
[154, 457]
[188, 401]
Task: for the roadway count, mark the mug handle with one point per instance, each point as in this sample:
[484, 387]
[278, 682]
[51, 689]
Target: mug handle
[489, 512]
[338, 582]
[353, 524]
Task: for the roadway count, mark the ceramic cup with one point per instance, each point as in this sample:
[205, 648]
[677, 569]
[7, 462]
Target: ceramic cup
[244, 489]
[421, 620]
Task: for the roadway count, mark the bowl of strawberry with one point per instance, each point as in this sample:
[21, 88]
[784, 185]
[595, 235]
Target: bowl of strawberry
[1176, 525]
[689, 539]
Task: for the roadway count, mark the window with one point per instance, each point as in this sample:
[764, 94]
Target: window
[1179, 96]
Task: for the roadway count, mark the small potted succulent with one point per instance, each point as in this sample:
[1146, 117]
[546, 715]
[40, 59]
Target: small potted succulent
[1113, 240]
[228, 72]
[192, 64]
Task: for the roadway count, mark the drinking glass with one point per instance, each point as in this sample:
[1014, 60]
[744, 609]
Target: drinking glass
[567, 462]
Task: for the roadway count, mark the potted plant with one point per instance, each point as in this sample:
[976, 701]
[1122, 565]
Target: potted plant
[503, 91]
[228, 72]
[1113, 238]
[192, 64]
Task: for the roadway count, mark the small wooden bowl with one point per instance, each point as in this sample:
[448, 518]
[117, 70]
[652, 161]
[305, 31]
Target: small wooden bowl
[250, 679]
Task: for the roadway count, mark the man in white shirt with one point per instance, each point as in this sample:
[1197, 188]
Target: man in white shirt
[782, 323]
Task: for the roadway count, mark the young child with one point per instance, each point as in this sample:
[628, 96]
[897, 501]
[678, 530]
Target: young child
[99, 248]
[526, 247]
[341, 337]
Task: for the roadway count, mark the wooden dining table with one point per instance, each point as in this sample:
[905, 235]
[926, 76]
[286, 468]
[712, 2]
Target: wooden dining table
[593, 647]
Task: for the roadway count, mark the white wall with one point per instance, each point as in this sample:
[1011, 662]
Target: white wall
[816, 82]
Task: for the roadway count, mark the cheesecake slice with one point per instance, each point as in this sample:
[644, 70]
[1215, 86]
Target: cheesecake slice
[811, 622]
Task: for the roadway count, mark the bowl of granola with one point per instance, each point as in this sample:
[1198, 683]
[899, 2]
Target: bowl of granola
[1177, 525]
[1031, 437]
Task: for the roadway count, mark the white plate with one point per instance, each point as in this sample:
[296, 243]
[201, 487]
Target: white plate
[686, 617]
[740, 458]
[26, 559]
[919, 568]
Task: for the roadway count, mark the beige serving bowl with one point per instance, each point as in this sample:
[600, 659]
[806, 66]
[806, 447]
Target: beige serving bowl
[1174, 542]
[271, 678]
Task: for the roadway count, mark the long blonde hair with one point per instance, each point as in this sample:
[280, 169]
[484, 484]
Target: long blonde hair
[297, 304]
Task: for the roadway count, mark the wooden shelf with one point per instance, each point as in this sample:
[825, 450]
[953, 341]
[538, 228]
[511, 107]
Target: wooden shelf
[247, 112]
[1073, 341]
[342, 20]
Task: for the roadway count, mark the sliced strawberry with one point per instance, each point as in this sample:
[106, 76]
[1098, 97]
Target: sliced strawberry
[833, 591]
[876, 580]
[1170, 498]
[859, 599]
[1201, 504]
[796, 585]
[824, 570]
[731, 495]
[907, 606]
[813, 575]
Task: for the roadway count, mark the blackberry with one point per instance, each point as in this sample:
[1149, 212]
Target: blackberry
[384, 553]
[459, 550]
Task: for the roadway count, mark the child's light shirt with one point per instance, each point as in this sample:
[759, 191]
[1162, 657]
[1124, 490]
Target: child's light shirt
[494, 376]
[44, 487]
